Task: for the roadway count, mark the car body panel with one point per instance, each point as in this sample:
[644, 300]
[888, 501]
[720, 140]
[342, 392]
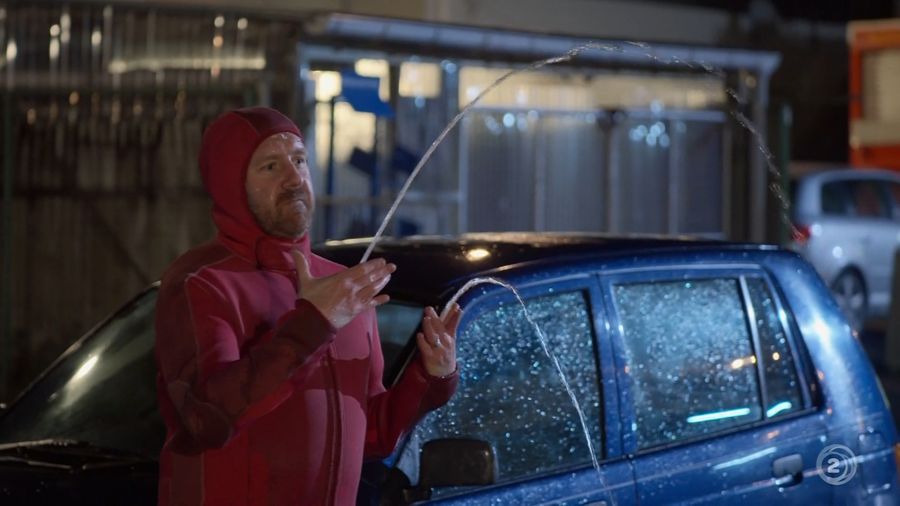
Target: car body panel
[854, 402]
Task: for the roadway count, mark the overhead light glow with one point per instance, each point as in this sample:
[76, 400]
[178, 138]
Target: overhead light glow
[11, 50]
[476, 254]
[418, 79]
[54, 49]
[328, 85]
[371, 67]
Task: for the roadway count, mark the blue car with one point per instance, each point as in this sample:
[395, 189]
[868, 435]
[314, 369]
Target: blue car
[637, 371]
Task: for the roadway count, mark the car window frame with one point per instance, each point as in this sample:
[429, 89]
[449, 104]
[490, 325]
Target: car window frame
[892, 187]
[552, 281]
[392, 370]
[811, 390]
[740, 271]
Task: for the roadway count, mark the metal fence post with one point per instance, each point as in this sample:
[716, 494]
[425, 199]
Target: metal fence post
[6, 281]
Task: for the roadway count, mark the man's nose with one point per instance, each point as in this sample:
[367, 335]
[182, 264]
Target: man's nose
[292, 175]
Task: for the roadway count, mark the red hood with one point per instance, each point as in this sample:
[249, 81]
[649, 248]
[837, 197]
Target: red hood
[228, 144]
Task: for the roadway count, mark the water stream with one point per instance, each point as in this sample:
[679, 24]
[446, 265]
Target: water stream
[440, 138]
[644, 48]
[543, 339]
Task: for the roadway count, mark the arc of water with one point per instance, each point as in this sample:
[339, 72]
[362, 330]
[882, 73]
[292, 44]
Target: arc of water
[783, 200]
[440, 138]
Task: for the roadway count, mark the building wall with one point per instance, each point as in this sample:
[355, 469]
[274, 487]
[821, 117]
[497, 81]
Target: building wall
[103, 165]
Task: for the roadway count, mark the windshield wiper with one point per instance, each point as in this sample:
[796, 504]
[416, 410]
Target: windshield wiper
[47, 452]
[40, 443]
[32, 462]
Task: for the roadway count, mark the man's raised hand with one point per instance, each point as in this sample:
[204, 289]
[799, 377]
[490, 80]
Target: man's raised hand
[437, 341]
[342, 296]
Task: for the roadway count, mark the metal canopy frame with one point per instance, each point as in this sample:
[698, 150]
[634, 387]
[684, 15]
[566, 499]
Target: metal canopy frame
[449, 38]
[343, 37]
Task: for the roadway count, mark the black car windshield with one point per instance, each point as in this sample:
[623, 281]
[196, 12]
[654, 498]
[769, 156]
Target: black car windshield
[104, 392]
[396, 323]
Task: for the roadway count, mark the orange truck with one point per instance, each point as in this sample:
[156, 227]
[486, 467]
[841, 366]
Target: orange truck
[874, 93]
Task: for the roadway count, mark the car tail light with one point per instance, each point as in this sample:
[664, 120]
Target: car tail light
[800, 233]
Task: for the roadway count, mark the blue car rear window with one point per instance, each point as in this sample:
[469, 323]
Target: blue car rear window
[690, 357]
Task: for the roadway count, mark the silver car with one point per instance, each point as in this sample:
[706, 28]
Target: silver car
[848, 226]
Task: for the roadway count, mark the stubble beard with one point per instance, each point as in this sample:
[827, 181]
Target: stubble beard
[288, 220]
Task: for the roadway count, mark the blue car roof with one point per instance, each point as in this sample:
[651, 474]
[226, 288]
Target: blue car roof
[430, 265]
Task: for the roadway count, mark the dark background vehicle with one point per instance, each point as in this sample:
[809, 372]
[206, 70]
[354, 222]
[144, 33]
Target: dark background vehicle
[707, 372]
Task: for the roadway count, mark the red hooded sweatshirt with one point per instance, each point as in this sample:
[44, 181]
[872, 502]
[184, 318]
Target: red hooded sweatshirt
[264, 401]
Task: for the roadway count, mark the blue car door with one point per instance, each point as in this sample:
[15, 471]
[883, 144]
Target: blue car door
[511, 395]
[718, 402]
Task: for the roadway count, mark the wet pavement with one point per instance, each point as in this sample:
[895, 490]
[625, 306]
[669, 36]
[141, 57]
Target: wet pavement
[873, 340]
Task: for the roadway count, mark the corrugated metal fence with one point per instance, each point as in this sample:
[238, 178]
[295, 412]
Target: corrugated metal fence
[105, 190]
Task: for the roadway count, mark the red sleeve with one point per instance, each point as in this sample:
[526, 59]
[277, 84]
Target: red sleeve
[393, 412]
[214, 390]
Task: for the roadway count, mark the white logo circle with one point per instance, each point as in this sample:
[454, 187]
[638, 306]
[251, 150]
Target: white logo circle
[836, 464]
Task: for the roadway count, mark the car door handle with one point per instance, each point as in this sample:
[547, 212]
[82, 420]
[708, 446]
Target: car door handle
[596, 503]
[788, 471]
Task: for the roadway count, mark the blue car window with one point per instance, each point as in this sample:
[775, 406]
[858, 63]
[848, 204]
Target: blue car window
[782, 383]
[511, 395]
[690, 358]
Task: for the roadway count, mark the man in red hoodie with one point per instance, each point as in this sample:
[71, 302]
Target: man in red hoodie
[268, 356]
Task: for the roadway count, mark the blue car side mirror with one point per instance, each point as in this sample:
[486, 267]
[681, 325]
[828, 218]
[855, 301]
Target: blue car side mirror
[453, 463]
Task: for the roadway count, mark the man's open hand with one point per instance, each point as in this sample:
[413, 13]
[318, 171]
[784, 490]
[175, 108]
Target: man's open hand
[342, 296]
[437, 341]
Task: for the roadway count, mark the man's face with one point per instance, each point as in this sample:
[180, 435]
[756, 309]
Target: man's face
[279, 188]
